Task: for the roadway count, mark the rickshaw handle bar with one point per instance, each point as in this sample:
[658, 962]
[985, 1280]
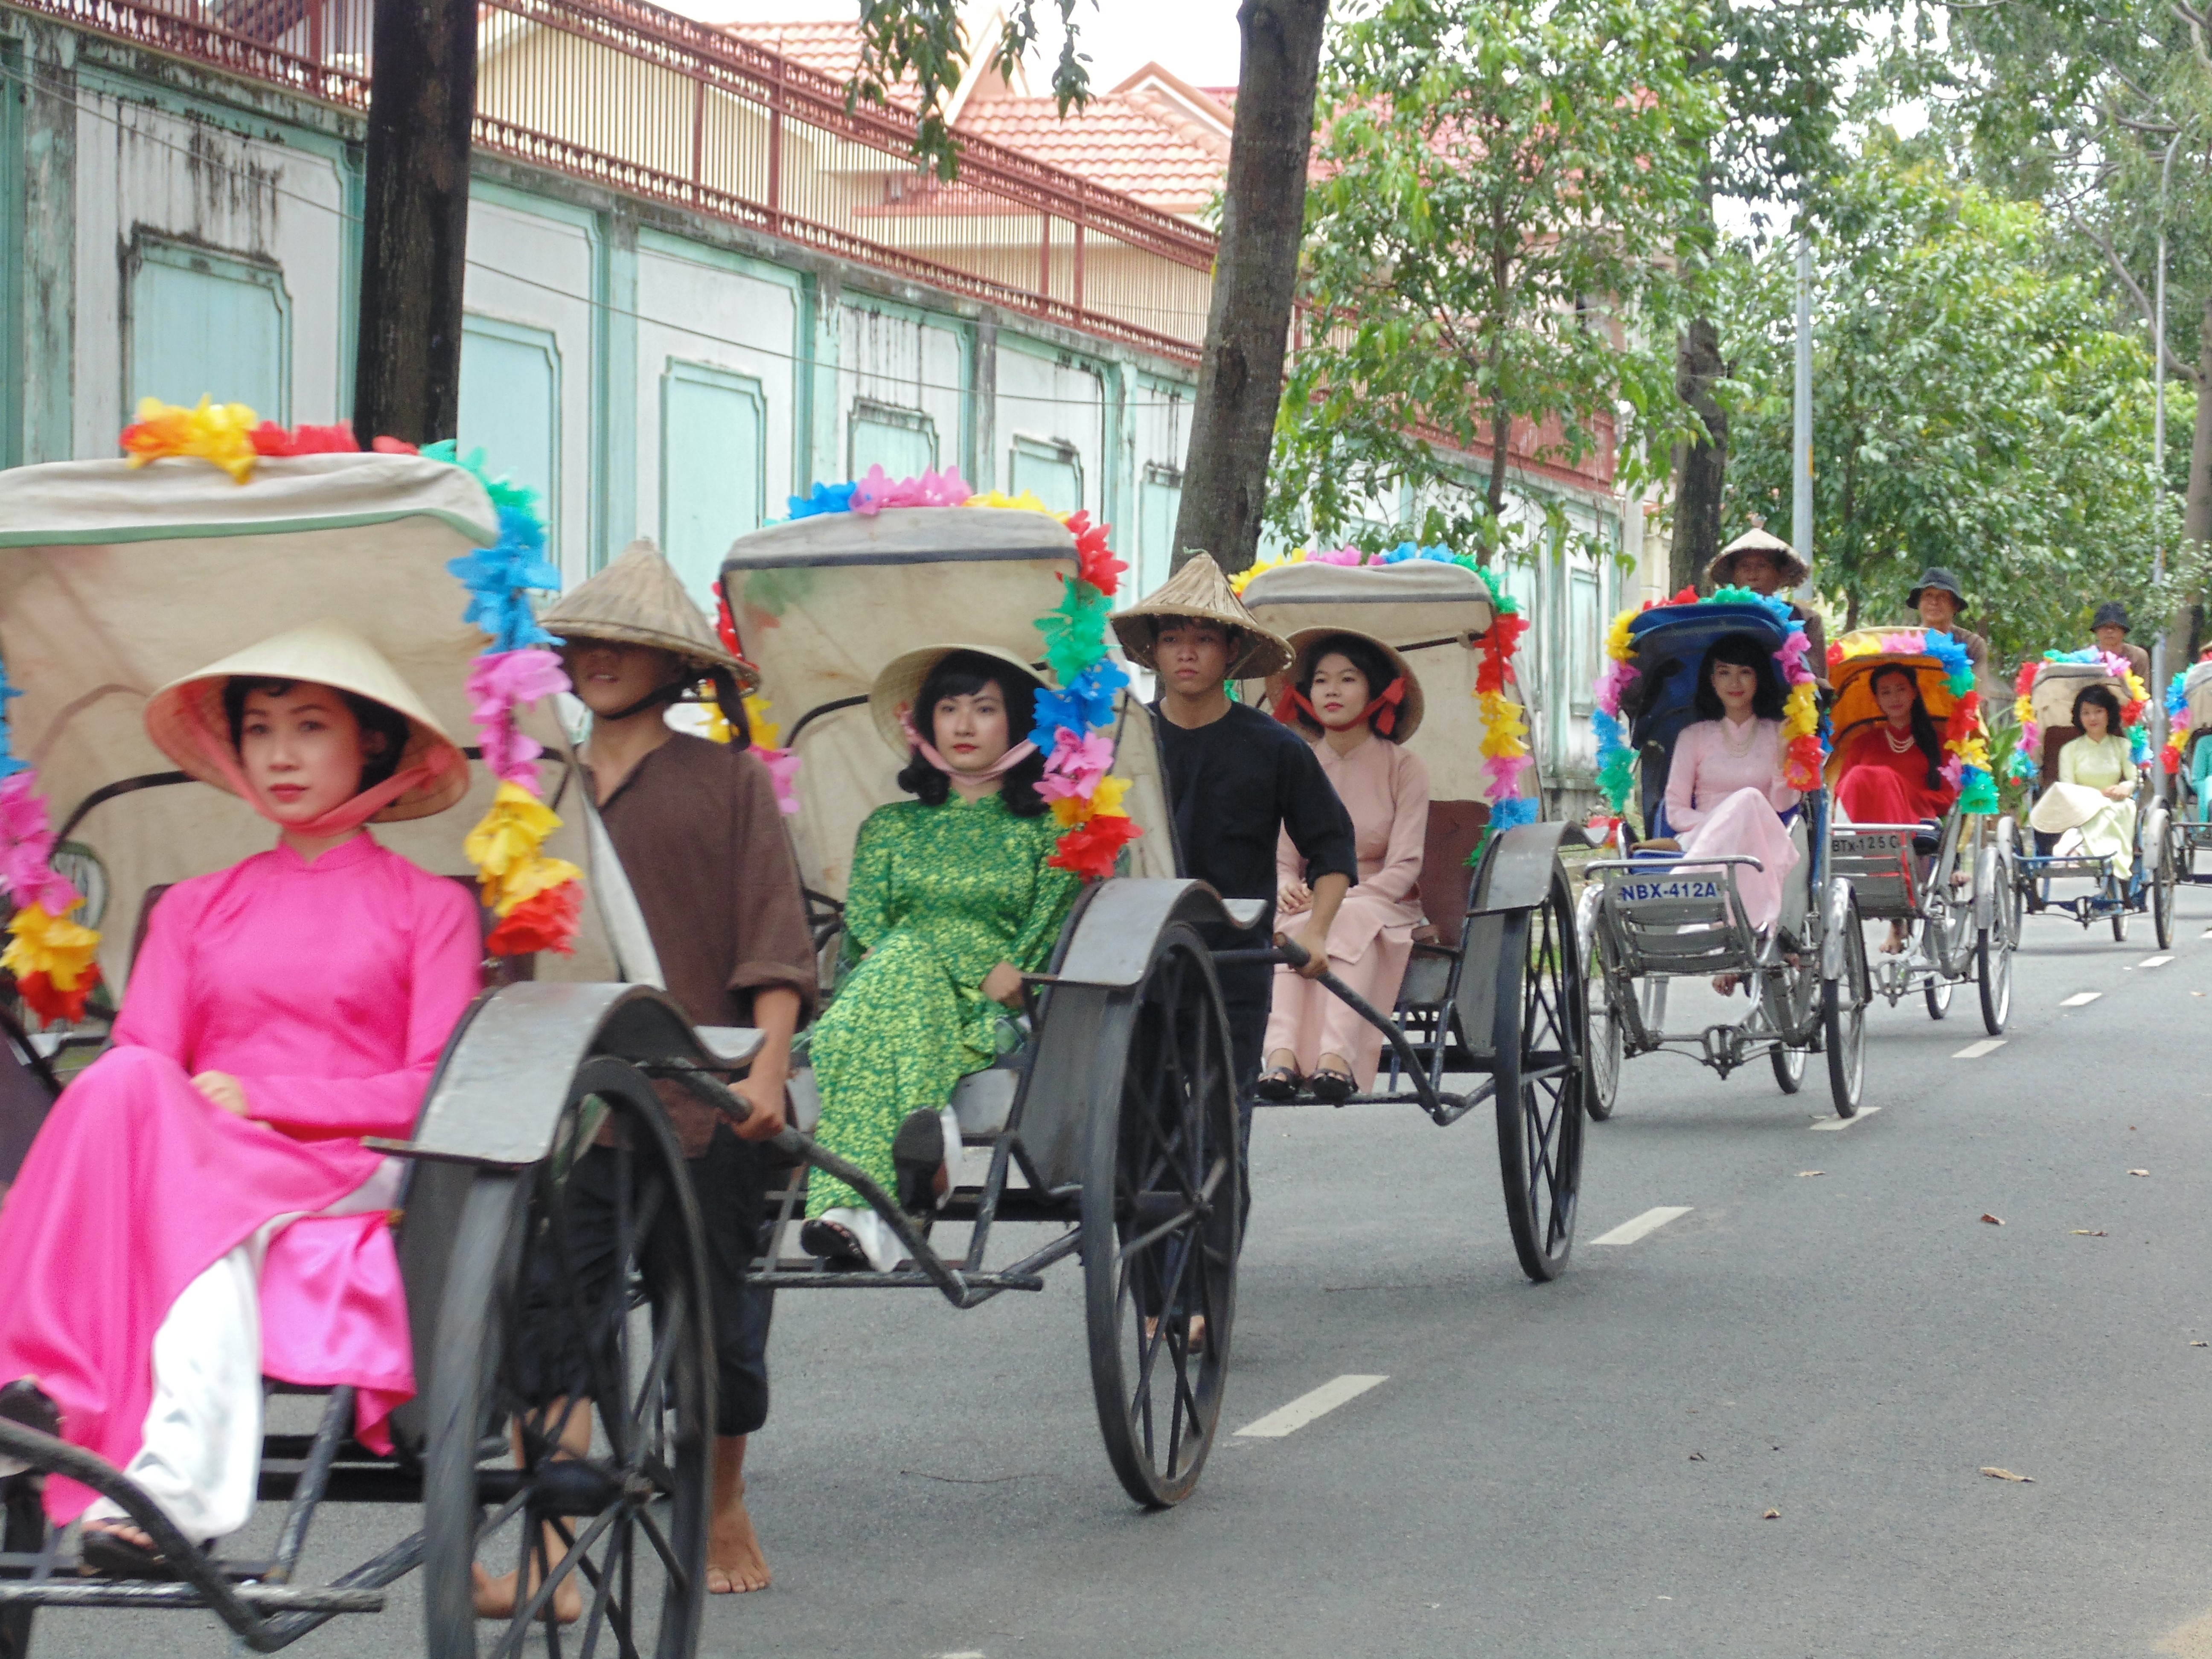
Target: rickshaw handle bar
[1675, 860]
[708, 1090]
[1288, 952]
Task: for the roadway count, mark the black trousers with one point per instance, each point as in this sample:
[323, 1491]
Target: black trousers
[730, 1182]
[1247, 988]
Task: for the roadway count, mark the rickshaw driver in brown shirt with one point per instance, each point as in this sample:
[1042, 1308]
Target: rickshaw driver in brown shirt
[696, 826]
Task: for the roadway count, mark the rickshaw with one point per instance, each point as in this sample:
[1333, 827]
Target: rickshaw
[1949, 885]
[1441, 614]
[1112, 1116]
[1648, 918]
[2047, 691]
[2188, 718]
[114, 581]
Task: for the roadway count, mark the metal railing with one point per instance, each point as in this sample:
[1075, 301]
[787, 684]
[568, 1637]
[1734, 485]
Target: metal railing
[657, 105]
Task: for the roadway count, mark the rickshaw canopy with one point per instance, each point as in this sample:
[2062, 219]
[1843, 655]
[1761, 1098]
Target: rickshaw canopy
[114, 581]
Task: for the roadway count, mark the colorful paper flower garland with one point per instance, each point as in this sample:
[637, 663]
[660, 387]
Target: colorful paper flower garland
[538, 900]
[52, 958]
[2026, 754]
[1505, 722]
[1804, 751]
[1074, 722]
[2177, 724]
[1966, 737]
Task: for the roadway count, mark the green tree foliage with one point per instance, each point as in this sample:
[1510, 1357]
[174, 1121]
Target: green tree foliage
[1975, 408]
[1503, 199]
[922, 48]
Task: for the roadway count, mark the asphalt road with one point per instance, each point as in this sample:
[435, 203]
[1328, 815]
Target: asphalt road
[1832, 1332]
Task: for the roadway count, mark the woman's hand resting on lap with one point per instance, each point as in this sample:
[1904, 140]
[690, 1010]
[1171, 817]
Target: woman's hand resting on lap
[2119, 791]
[1295, 896]
[1004, 984]
[224, 1090]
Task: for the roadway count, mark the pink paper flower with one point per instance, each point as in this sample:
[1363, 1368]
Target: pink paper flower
[1614, 684]
[500, 682]
[1505, 771]
[1078, 761]
[783, 772]
[510, 755]
[27, 849]
[1338, 555]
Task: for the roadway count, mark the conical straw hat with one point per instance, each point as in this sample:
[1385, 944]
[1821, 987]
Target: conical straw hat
[1199, 590]
[1306, 643]
[186, 716]
[897, 686]
[638, 599]
[1759, 540]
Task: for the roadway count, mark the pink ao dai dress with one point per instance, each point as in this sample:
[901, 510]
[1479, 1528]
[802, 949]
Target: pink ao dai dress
[1385, 788]
[1725, 796]
[161, 1255]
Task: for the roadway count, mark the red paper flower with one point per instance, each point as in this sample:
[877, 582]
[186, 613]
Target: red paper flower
[393, 447]
[1090, 848]
[270, 438]
[1095, 560]
[2173, 758]
[1802, 769]
[544, 921]
[2024, 681]
[1835, 656]
[1504, 640]
[52, 1005]
[726, 627]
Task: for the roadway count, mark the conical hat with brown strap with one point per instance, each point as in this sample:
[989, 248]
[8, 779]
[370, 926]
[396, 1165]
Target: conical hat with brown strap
[638, 599]
[1199, 591]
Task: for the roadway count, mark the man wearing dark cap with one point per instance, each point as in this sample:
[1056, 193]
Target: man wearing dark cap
[1769, 566]
[2110, 630]
[1941, 602]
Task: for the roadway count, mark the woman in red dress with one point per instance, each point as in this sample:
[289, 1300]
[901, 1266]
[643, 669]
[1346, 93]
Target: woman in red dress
[1892, 772]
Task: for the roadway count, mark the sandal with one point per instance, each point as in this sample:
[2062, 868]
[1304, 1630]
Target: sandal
[108, 1554]
[834, 1244]
[1332, 1087]
[1279, 1083]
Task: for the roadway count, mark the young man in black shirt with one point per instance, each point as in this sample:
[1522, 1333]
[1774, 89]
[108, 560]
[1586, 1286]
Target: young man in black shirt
[1237, 778]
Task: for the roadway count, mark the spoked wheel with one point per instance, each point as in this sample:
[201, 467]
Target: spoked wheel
[569, 1426]
[1939, 997]
[1607, 1038]
[2120, 925]
[22, 1533]
[1993, 969]
[1788, 1000]
[2163, 875]
[1842, 1018]
[1541, 1040]
[2012, 901]
[1161, 1198]
[1788, 1069]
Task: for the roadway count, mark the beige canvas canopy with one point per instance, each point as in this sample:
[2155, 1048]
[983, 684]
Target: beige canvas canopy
[115, 582]
[2058, 684]
[2198, 688]
[1434, 615]
[824, 604]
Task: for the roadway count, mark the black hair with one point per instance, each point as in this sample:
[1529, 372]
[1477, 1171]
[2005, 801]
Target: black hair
[372, 716]
[2103, 697]
[1745, 651]
[1373, 667]
[1924, 723]
[962, 674]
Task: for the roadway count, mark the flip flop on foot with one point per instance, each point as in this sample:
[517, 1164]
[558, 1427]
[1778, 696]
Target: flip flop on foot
[116, 1549]
[833, 1243]
[1331, 1086]
[1277, 1082]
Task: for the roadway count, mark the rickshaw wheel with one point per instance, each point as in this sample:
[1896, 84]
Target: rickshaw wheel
[1788, 1068]
[576, 1298]
[1788, 997]
[22, 1532]
[1993, 968]
[2162, 889]
[1161, 1197]
[1939, 997]
[2119, 926]
[1541, 1042]
[1608, 1040]
[1843, 1018]
[2011, 899]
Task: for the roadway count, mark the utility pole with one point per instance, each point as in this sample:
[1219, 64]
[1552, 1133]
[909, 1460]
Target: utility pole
[1800, 445]
[2157, 687]
[415, 231]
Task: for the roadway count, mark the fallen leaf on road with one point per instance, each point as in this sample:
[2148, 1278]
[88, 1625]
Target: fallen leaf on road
[1994, 1220]
[2140, 1172]
[2085, 1232]
[1700, 1457]
[1801, 1174]
[1771, 1514]
[2201, 1345]
[2007, 1474]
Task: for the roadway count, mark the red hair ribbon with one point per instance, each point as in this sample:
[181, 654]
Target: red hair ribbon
[1382, 709]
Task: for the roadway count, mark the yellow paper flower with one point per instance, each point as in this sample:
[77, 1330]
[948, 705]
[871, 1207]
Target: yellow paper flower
[766, 732]
[1864, 645]
[1617, 645]
[40, 942]
[1970, 751]
[1069, 811]
[1243, 579]
[222, 433]
[1505, 723]
[508, 834]
[2136, 691]
[526, 880]
[1800, 713]
[1027, 501]
[1106, 799]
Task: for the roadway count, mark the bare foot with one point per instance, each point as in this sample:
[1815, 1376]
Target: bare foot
[495, 1597]
[1726, 983]
[1894, 944]
[734, 1562]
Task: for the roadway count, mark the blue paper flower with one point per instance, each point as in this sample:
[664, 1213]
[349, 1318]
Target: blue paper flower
[499, 578]
[1512, 814]
[826, 498]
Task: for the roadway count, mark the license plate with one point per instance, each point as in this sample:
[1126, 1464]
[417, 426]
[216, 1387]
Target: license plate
[1665, 887]
[1867, 846]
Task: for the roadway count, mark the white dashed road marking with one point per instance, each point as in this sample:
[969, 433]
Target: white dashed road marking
[1650, 1222]
[1976, 1050]
[2153, 961]
[2081, 999]
[1289, 1420]
[1834, 1123]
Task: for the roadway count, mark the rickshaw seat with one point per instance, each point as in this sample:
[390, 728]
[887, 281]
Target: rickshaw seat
[1455, 829]
[27, 1091]
[981, 1101]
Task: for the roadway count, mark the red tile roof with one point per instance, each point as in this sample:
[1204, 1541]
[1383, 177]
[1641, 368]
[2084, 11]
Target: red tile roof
[833, 49]
[1137, 143]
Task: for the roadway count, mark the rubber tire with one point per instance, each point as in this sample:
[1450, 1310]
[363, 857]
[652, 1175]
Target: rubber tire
[1993, 974]
[1608, 1051]
[1133, 1027]
[1939, 997]
[22, 1532]
[1843, 1021]
[1541, 1040]
[2161, 894]
[477, 1321]
[1788, 1068]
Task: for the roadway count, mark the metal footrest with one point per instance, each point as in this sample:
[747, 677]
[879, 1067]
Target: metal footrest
[75, 1592]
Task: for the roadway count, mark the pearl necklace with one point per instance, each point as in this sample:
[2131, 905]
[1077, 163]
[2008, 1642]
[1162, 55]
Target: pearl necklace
[1751, 736]
[1895, 747]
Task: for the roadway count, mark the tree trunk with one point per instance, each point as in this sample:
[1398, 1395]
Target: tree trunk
[1702, 468]
[415, 228]
[2184, 633]
[1240, 379]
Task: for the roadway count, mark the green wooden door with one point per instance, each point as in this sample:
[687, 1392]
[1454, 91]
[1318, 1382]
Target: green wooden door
[204, 323]
[511, 408]
[713, 460]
